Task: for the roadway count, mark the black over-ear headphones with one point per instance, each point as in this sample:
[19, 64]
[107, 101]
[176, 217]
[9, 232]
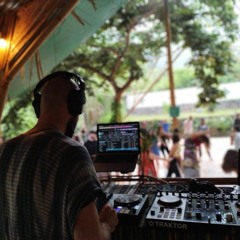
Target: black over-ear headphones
[76, 98]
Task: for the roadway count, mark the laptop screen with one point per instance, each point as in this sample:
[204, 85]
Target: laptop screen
[118, 137]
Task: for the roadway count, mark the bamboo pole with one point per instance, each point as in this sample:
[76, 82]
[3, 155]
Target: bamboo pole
[170, 71]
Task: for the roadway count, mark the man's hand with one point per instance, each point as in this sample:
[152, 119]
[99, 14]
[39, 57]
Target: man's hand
[108, 217]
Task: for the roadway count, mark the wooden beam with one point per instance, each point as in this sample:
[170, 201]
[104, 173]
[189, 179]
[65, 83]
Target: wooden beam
[53, 14]
[34, 23]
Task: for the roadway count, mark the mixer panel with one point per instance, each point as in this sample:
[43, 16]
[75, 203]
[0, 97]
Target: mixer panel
[175, 211]
[185, 211]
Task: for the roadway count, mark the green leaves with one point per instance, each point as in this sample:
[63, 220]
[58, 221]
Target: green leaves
[18, 116]
[116, 55]
[208, 29]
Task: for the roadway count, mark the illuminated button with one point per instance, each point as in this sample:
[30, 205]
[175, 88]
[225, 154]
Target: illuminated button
[118, 209]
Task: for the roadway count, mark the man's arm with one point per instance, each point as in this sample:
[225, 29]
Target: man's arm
[90, 225]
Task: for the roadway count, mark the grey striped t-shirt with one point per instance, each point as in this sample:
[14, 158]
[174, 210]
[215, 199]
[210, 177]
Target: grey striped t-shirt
[45, 179]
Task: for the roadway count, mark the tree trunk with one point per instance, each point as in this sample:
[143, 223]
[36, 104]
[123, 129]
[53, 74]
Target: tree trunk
[117, 108]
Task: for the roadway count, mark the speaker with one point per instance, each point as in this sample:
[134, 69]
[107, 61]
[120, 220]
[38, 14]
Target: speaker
[76, 98]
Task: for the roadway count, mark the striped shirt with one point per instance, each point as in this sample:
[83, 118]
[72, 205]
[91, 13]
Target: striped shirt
[45, 179]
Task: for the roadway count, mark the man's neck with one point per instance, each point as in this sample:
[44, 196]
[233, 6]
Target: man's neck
[42, 126]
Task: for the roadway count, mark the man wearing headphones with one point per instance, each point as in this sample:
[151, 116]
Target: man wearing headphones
[48, 185]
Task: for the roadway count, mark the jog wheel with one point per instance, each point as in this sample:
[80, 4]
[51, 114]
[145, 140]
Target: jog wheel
[127, 200]
[169, 201]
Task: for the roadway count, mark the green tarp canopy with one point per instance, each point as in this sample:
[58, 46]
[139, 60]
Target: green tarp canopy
[78, 26]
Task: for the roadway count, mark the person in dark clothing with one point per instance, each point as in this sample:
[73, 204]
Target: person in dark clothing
[236, 122]
[175, 157]
[91, 143]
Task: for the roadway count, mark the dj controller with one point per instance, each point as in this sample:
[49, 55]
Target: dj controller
[177, 207]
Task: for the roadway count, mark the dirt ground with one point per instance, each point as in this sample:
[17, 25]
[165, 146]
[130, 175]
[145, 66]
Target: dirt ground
[208, 168]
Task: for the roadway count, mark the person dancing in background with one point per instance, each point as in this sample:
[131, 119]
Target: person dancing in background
[203, 127]
[235, 138]
[175, 159]
[188, 128]
[163, 137]
[190, 157]
[149, 153]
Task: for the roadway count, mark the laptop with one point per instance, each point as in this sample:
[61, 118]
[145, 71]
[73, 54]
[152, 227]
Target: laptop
[118, 147]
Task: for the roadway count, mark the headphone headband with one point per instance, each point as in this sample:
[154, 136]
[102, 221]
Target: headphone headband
[76, 98]
[60, 74]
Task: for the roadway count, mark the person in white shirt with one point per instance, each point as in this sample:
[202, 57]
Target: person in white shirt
[188, 126]
[235, 138]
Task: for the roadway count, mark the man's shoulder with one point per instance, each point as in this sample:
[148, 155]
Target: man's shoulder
[56, 139]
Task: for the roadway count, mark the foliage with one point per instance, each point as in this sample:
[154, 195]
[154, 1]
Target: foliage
[121, 56]
[209, 35]
[115, 56]
[18, 116]
[183, 77]
[146, 141]
[148, 135]
[233, 74]
[220, 126]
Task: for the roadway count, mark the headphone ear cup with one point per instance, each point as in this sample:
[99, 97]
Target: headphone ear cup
[36, 104]
[76, 100]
